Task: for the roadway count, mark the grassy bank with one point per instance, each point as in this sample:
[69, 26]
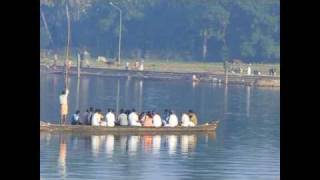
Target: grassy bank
[174, 66]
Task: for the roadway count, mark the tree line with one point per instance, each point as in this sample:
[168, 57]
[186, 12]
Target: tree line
[201, 30]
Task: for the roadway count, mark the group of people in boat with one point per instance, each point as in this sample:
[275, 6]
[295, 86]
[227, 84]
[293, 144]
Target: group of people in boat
[125, 117]
[132, 118]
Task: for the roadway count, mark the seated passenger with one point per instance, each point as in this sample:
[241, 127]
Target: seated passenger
[157, 120]
[166, 117]
[110, 118]
[193, 117]
[96, 118]
[90, 115]
[75, 119]
[148, 120]
[173, 120]
[84, 117]
[123, 118]
[142, 117]
[134, 119]
[185, 121]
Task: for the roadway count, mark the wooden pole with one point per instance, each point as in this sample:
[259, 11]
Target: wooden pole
[78, 65]
[226, 72]
[118, 97]
[68, 43]
[45, 25]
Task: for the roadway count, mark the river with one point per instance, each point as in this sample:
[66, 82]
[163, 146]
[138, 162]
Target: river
[245, 146]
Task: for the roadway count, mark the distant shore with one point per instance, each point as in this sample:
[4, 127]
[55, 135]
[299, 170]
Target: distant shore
[214, 77]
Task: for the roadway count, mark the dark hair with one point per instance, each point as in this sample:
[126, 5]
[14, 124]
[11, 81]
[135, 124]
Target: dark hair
[149, 114]
[78, 111]
[121, 111]
[133, 110]
[63, 92]
[141, 115]
[190, 111]
[109, 110]
[91, 109]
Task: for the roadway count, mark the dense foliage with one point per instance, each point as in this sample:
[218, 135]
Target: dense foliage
[209, 30]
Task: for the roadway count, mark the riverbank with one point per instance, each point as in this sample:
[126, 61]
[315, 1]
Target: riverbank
[174, 66]
[251, 80]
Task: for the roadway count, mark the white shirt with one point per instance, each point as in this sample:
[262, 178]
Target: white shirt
[64, 97]
[141, 67]
[133, 119]
[95, 119]
[249, 70]
[173, 120]
[186, 121]
[157, 120]
[123, 119]
[110, 118]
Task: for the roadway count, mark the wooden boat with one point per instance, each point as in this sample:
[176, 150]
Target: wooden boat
[207, 127]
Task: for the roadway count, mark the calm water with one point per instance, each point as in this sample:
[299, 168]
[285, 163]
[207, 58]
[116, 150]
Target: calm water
[245, 146]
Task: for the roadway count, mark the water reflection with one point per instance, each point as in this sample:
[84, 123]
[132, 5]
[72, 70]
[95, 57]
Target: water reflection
[77, 93]
[106, 147]
[210, 136]
[62, 167]
[188, 143]
[225, 99]
[147, 143]
[46, 137]
[140, 95]
[95, 145]
[172, 144]
[194, 83]
[133, 144]
[110, 145]
[84, 91]
[248, 101]
[124, 143]
[156, 144]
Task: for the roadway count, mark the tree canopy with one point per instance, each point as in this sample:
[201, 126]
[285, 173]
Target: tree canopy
[203, 30]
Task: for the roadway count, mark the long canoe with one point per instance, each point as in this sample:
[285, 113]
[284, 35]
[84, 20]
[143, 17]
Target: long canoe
[207, 127]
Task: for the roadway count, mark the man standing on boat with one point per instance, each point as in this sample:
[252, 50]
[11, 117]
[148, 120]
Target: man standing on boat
[63, 106]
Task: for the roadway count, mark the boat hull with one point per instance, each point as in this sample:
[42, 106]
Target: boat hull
[211, 127]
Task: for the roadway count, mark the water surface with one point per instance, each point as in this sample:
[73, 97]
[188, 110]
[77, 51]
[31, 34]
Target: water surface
[245, 146]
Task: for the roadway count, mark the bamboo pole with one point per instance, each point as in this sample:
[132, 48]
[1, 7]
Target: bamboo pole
[45, 25]
[78, 66]
[67, 51]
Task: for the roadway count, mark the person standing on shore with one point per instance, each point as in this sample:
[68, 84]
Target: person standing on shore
[55, 61]
[141, 68]
[249, 69]
[127, 65]
[64, 106]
